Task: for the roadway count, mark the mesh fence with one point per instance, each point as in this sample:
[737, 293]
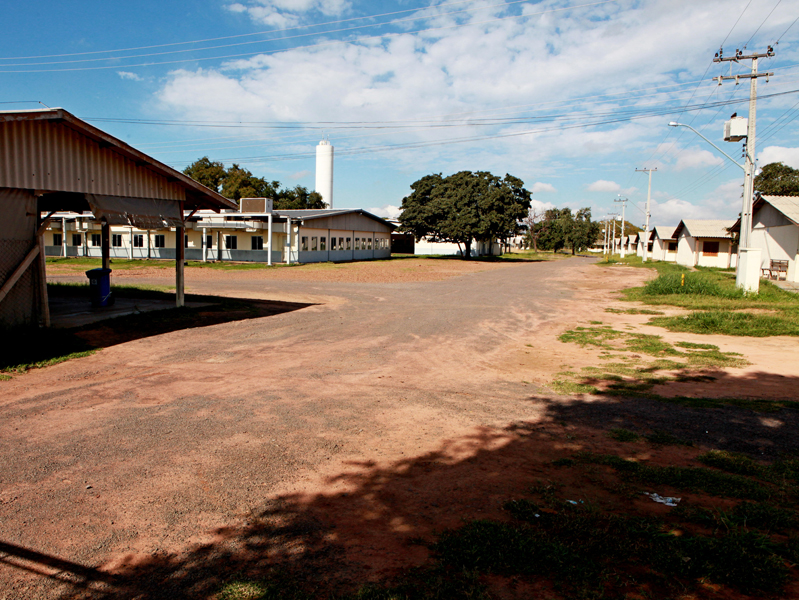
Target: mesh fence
[21, 305]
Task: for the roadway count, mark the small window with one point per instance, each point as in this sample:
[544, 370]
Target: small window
[349, 243]
[357, 243]
[257, 242]
[96, 240]
[232, 242]
[56, 239]
[369, 243]
[710, 248]
[116, 240]
[323, 244]
[304, 244]
[341, 243]
[159, 241]
[209, 241]
[138, 240]
[332, 244]
[77, 239]
[314, 244]
[186, 241]
[672, 246]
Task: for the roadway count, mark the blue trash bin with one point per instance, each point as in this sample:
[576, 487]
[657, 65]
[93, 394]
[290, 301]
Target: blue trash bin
[100, 287]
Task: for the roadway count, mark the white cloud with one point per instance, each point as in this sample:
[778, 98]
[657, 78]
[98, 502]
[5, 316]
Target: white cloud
[287, 13]
[387, 211]
[771, 154]
[300, 175]
[602, 185]
[543, 187]
[129, 75]
[691, 159]
[540, 207]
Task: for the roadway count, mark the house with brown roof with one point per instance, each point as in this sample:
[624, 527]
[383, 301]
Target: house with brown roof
[706, 243]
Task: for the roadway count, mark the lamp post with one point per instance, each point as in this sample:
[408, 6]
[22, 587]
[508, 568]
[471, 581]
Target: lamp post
[746, 275]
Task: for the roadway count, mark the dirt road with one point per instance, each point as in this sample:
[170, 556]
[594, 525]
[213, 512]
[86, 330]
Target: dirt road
[380, 413]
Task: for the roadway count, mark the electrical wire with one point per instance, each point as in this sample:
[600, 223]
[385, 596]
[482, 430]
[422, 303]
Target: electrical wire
[306, 46]
[763, 23]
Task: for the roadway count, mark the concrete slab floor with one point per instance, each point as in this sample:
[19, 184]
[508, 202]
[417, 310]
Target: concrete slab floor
[76, 312]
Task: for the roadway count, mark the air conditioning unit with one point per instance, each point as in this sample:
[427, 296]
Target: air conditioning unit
[735, 129]
[256, 205]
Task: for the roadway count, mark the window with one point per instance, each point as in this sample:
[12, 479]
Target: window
[314, 244]
[332, 244]
[349, 243]
[232, 242]
[257, 242]
[56, 239]
[341, 243]
[77, 239]
[209, 241]
[672, 246]
[186, 241]
[357, 243]
[159, 240]
[322, 243]
[369, 243]
[96, 240]
[116, 240]
[304, 244]
[710, 248]
[138, 240]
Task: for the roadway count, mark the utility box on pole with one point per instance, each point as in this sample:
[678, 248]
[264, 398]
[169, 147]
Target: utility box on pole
[735, 129]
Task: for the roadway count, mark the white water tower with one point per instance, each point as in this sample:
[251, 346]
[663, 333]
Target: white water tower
[324, 171]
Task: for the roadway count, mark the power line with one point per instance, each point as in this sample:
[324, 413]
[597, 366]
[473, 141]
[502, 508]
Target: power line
[763, 23]
[306, 46]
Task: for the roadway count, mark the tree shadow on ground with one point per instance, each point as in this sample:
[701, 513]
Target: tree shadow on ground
[386, 516]
[26, 347]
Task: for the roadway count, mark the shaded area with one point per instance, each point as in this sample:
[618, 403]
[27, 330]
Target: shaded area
[28, 348]
[391, 518]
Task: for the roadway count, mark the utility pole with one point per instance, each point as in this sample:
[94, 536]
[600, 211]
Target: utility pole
[648, 199]
[613, 235]
[623, 206]
[748, 272]
[605, 247]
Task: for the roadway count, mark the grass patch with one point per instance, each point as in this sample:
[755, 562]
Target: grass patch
[623, 435]
[695, 479]
[634, 311]
[664, 438]
[571, 387]
[732, 323]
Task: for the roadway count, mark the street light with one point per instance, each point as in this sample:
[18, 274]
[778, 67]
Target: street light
[747, 269]
[675, 124]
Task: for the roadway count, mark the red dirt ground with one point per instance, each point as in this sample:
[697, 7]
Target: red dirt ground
[407, 397]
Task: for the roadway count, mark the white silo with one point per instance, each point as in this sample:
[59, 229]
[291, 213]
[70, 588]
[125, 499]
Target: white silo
[324, 171]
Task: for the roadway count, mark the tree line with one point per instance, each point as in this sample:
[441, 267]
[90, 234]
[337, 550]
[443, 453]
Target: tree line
[483, 207]
[235, 182]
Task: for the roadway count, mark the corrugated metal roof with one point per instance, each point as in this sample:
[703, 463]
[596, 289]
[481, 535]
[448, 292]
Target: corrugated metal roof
[711, 228]
[310, 214]
[663, 233]
[787, 205]
[54, 151]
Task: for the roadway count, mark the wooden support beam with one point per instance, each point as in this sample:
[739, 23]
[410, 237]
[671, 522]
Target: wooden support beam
[18, 272]
[180, 253]
[105, 236]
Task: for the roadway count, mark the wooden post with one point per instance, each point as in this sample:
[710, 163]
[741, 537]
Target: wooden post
[106, 245]
[43, 276]
[179, 259]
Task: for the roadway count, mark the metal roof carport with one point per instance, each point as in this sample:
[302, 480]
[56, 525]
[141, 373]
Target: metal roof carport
[52, 161]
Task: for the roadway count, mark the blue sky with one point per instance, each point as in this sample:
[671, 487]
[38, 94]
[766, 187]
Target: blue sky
[571, 97]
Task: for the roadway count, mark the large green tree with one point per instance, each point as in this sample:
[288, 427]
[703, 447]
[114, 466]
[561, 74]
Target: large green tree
[562, 228]
[777, 179]
[236, 182]
[465, 207]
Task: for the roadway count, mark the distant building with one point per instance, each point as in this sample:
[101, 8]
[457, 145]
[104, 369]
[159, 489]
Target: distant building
[705, 243]
[664, 245]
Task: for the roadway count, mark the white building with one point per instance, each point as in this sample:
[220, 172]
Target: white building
[705, 243]
[295, 236]
[775, 230]
[664, 245]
